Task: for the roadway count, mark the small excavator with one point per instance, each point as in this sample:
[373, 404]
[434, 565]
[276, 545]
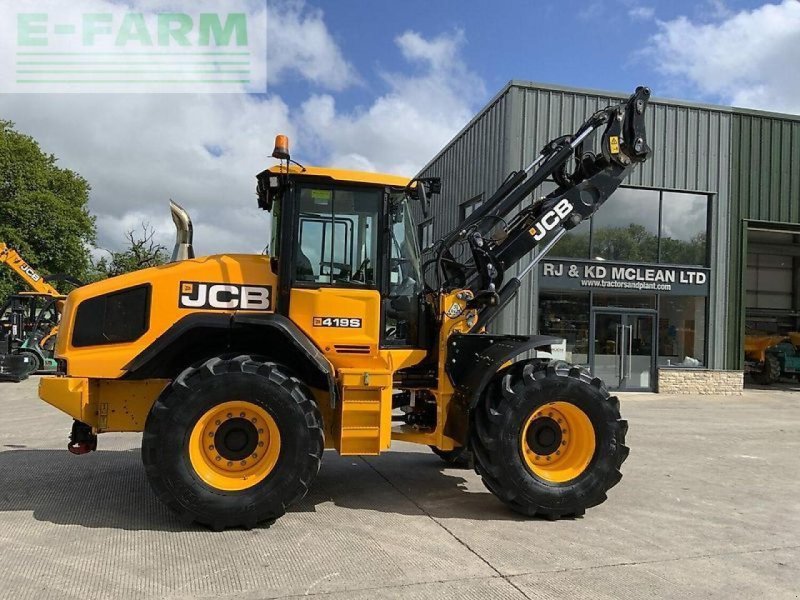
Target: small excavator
[28, 321]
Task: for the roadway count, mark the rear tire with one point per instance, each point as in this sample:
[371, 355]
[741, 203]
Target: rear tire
[33, 360]
[770, 372]
[548, 439]
[214, 467]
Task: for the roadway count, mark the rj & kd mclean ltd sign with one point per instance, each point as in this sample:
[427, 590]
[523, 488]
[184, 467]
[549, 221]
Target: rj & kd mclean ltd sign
[687, 281]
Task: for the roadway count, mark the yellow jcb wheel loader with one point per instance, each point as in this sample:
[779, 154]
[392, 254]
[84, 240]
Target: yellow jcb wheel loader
[241, 369]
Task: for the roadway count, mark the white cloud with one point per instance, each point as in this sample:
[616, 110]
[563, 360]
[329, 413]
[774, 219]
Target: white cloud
[300, 43]
[717, 9]
[641, 13]
[747, 58]
[440, 53]
[139, 150]
[413, 120]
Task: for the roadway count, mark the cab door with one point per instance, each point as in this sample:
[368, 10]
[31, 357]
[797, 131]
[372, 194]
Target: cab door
[402, 308]
[336, 269]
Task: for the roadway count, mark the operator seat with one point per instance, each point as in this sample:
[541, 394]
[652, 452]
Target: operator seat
[304, 270]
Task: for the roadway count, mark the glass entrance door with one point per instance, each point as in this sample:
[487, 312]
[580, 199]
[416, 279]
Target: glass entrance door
[623, 353]
[607, 360]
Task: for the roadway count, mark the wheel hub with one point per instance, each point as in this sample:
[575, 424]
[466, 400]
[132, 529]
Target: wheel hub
[236, 439]
[557, 441]
[234, 445]
[544, 436]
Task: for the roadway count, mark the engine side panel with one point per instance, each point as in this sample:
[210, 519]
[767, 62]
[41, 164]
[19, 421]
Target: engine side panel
[218, 285]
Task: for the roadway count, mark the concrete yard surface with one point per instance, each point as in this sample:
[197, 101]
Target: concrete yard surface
[709, 507]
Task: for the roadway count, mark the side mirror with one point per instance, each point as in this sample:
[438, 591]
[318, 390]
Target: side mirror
[423, 198]
[269, 187]
[434, 185]
[426, 187]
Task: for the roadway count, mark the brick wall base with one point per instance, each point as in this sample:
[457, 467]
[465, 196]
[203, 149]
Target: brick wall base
[700, 381]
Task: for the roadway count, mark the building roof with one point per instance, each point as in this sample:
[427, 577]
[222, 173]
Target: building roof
[669, 101]
[523, 84]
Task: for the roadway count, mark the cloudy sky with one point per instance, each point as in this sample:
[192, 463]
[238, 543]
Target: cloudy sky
[383, 86]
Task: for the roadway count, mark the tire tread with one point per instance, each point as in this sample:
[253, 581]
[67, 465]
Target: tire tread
[486, 432]
[188, 382]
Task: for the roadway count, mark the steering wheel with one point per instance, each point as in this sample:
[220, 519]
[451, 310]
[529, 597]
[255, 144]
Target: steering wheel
[344, 269]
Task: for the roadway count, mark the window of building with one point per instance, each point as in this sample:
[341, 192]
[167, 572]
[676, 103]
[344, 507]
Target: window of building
[468, 207]
[575, 242]
[642, 226]
[684, 225]
[682, 331]
[426, 234]
[566, 315]
[626, 227]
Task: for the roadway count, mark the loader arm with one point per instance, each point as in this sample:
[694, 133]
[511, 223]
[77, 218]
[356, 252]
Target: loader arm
[29, 275]
[496, 245]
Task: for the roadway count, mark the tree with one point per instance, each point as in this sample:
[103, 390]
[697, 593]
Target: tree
[631, 242]
[687, 252]
[142, 252]
[43, 210]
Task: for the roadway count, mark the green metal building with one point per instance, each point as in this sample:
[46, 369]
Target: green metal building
[701, 243]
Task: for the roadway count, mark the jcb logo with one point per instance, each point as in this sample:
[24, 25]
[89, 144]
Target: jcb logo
[30, 272]
[225, 296]
[552, 217]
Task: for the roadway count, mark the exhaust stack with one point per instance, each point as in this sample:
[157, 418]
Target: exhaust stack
[183, 233]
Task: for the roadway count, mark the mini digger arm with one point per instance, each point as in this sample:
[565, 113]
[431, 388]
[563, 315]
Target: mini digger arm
[15, 262]
[496, 245]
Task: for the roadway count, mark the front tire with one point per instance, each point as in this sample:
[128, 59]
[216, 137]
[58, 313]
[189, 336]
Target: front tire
[459, 458]
[548, 439]
[34, 361]
[770, 372]
[233, 442]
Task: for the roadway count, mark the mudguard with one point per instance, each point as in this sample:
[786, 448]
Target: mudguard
[313, 357]
[270, 335]
[474, 358]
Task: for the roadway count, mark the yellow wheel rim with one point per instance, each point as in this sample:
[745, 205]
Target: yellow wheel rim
[234, 445]
[557, 442]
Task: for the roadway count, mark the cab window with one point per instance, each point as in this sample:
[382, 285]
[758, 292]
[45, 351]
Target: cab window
[337, 236]
[401, 305]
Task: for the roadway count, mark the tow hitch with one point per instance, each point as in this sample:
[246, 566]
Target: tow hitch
[81, 440]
